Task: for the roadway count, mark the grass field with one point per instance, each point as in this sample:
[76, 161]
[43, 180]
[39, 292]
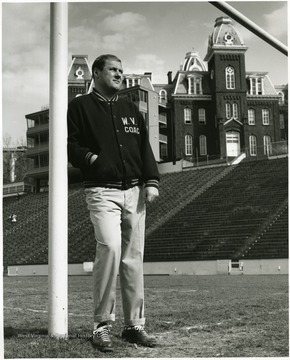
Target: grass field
[191, 316]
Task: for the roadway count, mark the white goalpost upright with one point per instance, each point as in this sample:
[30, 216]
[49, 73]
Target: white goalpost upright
[58, 193]
[250, 25]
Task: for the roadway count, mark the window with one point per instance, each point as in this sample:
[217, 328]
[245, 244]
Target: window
[30, 123]
[163, 150]
[265, 116]
[228, 110]
[43, 160]
[132, 82]
[256, 86]
[187, 116]
[251, 117]
[198, 86]
[30, 142]
[230, 78]
[282, 121]
[201, 116]
[267, 145]
[253, 145]
[162, 120]
[202, 145]
[142, 95]
[188, 145]
[235, 111]
[162, 95]
[195, 85]
[281, 97]
[259, 86]
[191, 85]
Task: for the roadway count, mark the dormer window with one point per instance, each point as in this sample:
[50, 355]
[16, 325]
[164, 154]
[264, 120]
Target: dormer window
[230, 78]
[195, 85]
[130, 82]
[256, 86]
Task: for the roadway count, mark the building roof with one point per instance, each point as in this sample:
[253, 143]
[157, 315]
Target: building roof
[193, 62]
[224, 37]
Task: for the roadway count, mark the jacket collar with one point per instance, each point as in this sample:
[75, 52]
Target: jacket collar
[103, 98]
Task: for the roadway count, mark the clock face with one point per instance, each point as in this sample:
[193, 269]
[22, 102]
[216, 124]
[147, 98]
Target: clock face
[228, 38]
[212, 74]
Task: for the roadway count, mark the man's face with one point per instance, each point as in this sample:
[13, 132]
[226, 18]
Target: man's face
[110, 78]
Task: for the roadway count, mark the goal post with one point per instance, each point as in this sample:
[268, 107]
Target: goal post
[58, 193]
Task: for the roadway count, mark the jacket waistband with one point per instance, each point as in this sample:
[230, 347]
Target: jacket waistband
[121, 185]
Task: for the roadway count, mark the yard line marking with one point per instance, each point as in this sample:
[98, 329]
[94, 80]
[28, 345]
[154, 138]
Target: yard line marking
[42, 311]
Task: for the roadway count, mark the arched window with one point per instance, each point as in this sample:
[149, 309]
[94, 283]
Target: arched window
[201, 116]
[187, 116]
[267, 145]
[228, 111]
[188, 145]
[162, 94]
[281, 97]
[202, 145]
[265, 116]
[230, 78]
[251, 117]
[235, 111]
[253, 145]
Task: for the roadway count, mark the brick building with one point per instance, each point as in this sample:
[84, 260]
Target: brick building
[217, 110]
[213, 110]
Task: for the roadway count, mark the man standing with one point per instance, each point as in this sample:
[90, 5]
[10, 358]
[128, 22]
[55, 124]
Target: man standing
[108, 141]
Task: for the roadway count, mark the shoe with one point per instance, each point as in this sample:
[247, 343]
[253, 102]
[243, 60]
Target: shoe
[137, 335]
[101, 338]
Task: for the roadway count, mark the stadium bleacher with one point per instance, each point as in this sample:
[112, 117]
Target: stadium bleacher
[227, 212]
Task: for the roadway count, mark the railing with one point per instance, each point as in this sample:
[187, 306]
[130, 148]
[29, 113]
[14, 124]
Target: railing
[277, 149]
[36, 149]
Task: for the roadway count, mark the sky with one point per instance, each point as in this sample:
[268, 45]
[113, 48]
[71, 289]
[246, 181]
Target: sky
[147, 36]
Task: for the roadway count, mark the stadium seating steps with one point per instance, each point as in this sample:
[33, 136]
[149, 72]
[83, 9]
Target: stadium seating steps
[227, 212]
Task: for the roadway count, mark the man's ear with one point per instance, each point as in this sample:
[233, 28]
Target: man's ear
[96, 73]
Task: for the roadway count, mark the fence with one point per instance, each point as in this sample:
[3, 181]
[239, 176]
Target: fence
[263, 152]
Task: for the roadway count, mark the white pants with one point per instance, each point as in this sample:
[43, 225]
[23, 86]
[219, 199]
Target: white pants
[118, 217]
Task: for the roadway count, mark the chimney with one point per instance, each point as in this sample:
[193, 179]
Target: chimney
[169, 76]
[148, 74]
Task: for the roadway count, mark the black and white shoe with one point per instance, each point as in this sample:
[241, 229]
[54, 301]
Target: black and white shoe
[101, 338]
[137, 335]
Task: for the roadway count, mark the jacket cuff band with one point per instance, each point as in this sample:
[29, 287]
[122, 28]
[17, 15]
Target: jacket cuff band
[152, 183]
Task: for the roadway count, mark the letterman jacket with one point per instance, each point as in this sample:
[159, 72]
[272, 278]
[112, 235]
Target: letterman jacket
[115, 131]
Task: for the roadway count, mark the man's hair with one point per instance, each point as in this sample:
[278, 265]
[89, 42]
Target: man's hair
[100, 61]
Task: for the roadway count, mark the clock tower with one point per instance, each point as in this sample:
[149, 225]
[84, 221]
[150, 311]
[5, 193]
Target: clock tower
[79, 76]
[226, 66]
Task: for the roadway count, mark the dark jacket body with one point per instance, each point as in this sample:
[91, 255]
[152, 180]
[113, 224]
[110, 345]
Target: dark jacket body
[115, 131]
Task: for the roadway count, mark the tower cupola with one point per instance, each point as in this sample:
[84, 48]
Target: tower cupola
[193, 62]
[224, 37]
